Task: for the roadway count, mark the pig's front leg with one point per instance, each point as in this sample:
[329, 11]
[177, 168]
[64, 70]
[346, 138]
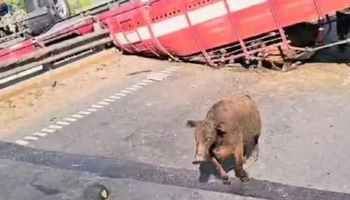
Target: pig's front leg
[223, 174]
[239, 160]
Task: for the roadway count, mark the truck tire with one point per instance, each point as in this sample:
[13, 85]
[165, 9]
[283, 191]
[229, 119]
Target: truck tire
[62, 9]
[53, 14]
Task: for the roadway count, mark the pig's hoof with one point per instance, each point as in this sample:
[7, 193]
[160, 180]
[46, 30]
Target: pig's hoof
[242, 175]
[226, 180]
[244, 179]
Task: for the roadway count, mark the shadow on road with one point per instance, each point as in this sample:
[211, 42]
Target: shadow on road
[333, 55]
[116, 168]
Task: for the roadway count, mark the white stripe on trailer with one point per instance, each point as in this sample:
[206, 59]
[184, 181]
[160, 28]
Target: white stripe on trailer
[133, 37]
[237, 5]
[121, 38]
[208, 12]
[169, 25]
[144, 33]
[177, 23]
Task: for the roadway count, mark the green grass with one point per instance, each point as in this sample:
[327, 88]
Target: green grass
[78, 4]
[18, 5]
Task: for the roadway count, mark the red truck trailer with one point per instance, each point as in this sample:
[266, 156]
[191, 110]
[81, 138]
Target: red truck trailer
[22, 54]
[218, 32]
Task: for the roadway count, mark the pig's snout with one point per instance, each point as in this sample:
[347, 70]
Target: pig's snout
[201, 154]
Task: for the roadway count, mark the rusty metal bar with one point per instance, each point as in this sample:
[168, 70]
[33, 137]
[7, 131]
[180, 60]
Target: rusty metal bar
[194, 38]
[146, 15]
[276, 19]
[116, 39]
[235, 30]
[124, 34]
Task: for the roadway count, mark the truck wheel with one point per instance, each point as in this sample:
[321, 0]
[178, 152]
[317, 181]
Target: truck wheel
[62, 9]
[55, 10]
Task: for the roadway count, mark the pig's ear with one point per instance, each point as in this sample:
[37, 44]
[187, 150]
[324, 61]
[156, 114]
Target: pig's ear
[221, 127]
[192, 123]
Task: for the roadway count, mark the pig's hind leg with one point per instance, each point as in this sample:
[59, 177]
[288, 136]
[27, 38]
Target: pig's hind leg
[239, 160]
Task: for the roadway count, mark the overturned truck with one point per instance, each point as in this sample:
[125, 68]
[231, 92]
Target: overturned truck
[273, 33]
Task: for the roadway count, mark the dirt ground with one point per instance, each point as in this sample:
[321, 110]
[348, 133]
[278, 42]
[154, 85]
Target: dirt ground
[31, 99]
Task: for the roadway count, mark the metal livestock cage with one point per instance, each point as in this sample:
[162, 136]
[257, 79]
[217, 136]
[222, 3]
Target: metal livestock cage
[219, 32]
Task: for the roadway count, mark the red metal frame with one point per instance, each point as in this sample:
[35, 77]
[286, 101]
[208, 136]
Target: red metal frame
[240, 39]
[18, 50]
[193, 34]
[158, 45]
[240, 21]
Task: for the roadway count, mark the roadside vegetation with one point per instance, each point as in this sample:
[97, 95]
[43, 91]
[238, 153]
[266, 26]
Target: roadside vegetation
[18, 5]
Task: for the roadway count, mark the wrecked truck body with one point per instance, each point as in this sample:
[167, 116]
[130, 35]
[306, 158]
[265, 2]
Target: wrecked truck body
[220, 32]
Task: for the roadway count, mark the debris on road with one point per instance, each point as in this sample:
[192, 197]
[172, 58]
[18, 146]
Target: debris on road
[138, 72]
[157, 76]
[96, 192]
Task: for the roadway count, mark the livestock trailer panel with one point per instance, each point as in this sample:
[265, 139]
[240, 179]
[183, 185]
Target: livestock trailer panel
[214, 31]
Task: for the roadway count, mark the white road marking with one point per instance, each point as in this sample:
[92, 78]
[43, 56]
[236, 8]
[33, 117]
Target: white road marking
[55, 127]
[109, 100]
[96, 106]
[73, 118]
[132, 89]
[46, 130]
[22, 142]
[63, 123]
[77, 116]
[136, 86]
[40, 134]
[32, 138]
[84, 113]
[143, 84]
[103, 103]
[148, 81]
[70, 119]
[120, 94]
[126, 92]
[115, 97]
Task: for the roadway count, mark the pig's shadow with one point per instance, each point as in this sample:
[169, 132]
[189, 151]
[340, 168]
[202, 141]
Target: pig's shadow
[207, 169]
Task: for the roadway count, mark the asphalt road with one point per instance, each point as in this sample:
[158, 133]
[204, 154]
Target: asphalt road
[138, 146]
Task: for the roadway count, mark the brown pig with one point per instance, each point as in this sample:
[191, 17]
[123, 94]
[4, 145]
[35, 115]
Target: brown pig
[231, 128]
